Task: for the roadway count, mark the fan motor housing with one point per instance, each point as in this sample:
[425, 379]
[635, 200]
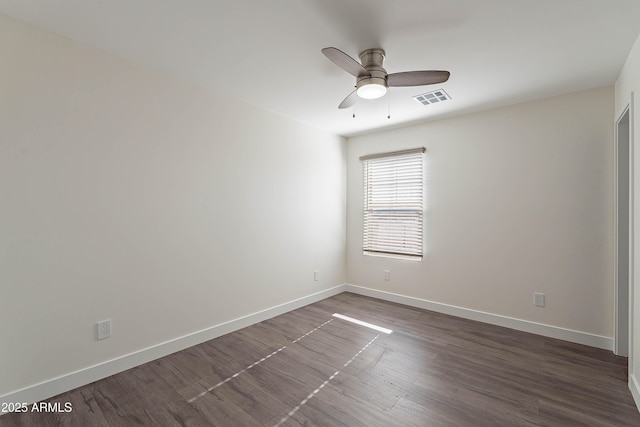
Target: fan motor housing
[371, 60]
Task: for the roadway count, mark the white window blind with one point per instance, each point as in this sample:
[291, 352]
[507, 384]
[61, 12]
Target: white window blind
[394, 203]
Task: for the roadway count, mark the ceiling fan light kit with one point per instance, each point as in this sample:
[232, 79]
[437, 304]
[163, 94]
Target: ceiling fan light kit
[371, 89]
[372, 80]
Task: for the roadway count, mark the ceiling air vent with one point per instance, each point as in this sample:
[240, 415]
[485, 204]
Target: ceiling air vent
[432, 97]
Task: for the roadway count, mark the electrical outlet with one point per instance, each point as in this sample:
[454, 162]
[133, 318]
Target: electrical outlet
[387, 275]
[538, 299]
[104, 329]
[315, 275]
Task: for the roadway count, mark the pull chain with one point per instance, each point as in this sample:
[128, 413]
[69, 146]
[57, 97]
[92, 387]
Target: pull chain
[388, 106]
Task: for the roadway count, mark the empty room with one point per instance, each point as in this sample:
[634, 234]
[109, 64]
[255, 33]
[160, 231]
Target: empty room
[319, 213]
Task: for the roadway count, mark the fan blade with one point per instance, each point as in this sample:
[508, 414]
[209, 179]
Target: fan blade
[345, 62]
[417, 78]
[350, 100]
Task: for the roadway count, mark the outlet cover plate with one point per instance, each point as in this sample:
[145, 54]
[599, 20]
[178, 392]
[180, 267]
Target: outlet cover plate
[104, 329]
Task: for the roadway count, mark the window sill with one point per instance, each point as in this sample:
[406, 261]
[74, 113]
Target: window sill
[395, 256]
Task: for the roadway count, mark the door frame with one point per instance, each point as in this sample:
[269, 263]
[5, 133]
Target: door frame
[623, 293]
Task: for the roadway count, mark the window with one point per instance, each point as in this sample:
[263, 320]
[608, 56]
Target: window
[393, 203]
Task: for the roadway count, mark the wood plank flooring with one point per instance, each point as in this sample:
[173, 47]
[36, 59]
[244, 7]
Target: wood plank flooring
[307, 368]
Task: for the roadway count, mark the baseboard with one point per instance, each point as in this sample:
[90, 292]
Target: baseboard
[61, 384]
[634, 386]
[494, 319]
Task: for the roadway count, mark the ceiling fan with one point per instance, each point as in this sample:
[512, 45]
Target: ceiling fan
[372, 81]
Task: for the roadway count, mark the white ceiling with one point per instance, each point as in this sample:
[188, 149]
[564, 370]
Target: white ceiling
[267, 53]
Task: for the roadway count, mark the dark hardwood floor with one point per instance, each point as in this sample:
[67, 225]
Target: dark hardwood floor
[307, 368]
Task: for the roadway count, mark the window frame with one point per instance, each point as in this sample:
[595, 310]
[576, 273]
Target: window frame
[393, 204]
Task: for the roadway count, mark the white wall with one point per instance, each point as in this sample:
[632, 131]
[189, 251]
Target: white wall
[128, 195]
[628, 83]
[519, 200]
